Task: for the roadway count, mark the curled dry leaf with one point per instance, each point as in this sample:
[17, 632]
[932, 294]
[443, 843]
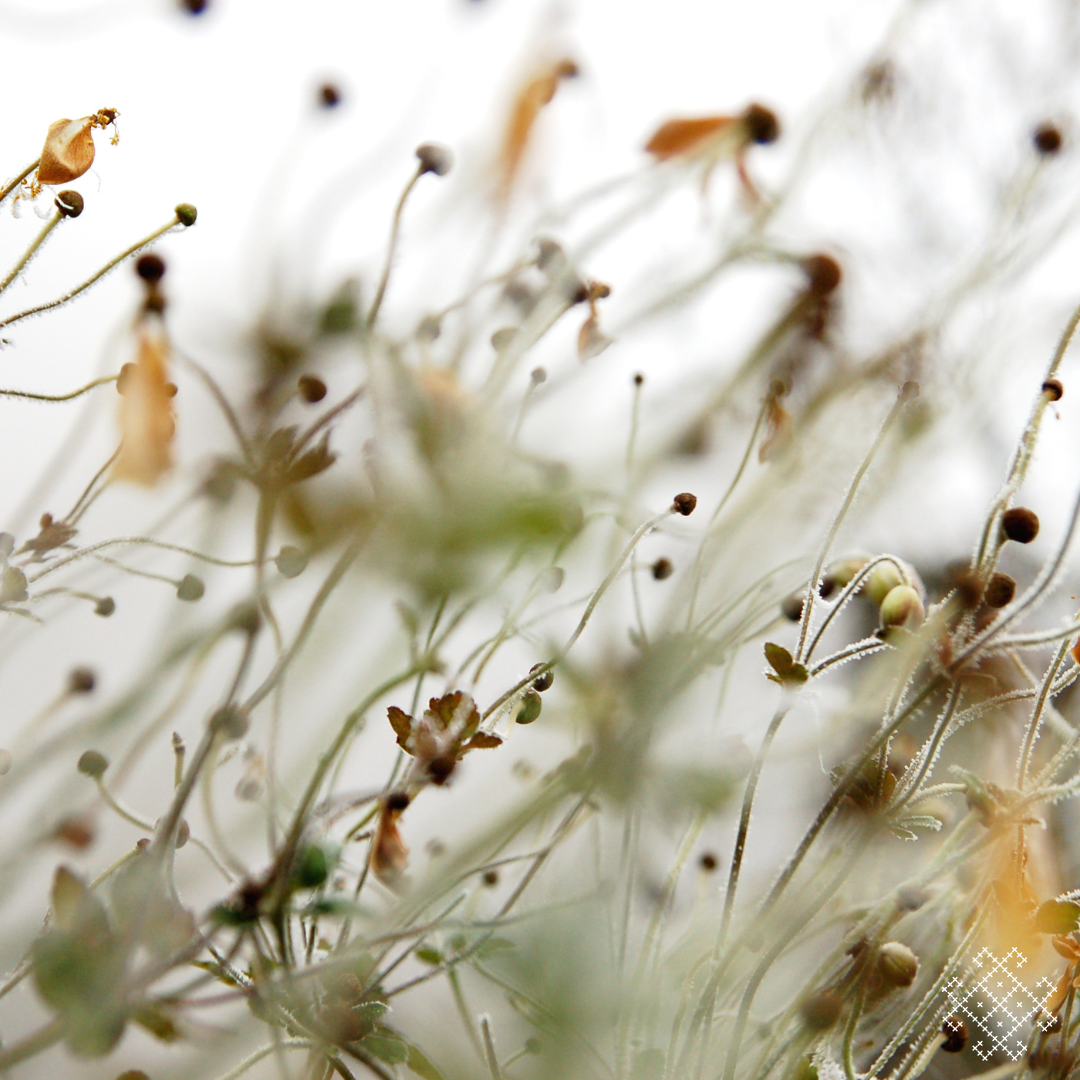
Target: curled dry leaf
[69, 147]
[146, 416]
[530, 99]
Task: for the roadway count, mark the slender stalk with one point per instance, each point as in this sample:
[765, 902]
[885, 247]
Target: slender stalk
[8, 188]
[32, 250]
[395, 228]
[93, 279]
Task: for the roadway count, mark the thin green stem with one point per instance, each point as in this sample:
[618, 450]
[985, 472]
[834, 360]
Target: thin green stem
[395, 229]
[32, 250]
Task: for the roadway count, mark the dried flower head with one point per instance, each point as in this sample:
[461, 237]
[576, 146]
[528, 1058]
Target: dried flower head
[69, 147]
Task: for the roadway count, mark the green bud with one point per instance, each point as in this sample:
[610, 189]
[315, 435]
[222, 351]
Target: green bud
[186, 214]
[897, 964]
[882, 580]
[902, 607]
[93, 764]
[530, 707]
[312, 867]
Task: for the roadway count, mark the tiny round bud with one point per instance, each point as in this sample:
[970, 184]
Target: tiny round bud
[69, 204]
[192, 7]
[1000, 590]
[290, 561]
[792, 607]
[311, 388]
[503, 337]
[762, 124]
[171, 389]
[5, 762]
[231, 721]
[1054, 388]
[151, 268]
[897, 964]
[902, 606]
[186, 214]
[821, 1010]
[1020, 524]
[529, 709]
[81, 681]
[490, 878]
[550, 255]
[956, 1035]
[544, 681]
[183, 833]
[662, 569]
[684, 503]
[397, 801]
[434, 158]
[312, 866]
[823, 274]
[882, 580]
[93, 764]
[639, 379]
[105, 607]
[909, 391]
[329, 96]
[429, 328]
[537, 376]
[708, 862]
[248, 789]
[190, 588]
[1047, 139]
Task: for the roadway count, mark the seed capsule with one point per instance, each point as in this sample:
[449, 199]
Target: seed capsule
[311, 388]
[1000, 590]
[1020, 524]
[820, 1011]
[530, 707]
[81, 681]
[1047, 139]
[882, 580]
[684, 503]
[956, 1034]
[792, 607]
[902, 607]
[69, 204]
[1054, 388]
[823, 274]
[662, 569]
[93, 764]
[543, 682]
[434, 158]
[190, 589]
[897, 964]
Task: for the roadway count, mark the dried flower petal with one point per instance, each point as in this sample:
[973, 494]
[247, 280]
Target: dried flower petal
[146, 416]
[69, 147]
[389, 855]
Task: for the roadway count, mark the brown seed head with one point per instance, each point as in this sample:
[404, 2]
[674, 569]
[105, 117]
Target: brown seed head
[1000, 590]
[1054, 388]
[81, 681]
[311, 388]
[329, 96]
[435, 158]
[69, 204]
[542, 682]
[1020, 524]
[1047, 139]
[762, 126]
[823, 274]
[150, 267]
[708, 862]
[662, 569]
[897, 964]
[791, 607]
[93, 764]
[955, 1031]
[684, 503]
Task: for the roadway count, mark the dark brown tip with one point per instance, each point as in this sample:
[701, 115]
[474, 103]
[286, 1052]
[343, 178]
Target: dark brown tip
[1047, 139]
[329, 96]
[823, 274]
[956, 1035]
[311, 388]
[761, 124]
[1000, 590]
[150, 267]
[1020, 524]
[684, 503]
[434, 158]
[1054, 388]
[69, 204]
[708, 862]
[662, 569]
[397, 801]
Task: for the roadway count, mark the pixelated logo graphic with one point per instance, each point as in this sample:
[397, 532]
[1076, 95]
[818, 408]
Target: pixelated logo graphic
[997, 1005]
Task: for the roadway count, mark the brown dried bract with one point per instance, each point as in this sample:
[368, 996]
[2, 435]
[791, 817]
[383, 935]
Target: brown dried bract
[146, 415]
[389, 854]
[69, 147]
[524, 112]
[681, 136]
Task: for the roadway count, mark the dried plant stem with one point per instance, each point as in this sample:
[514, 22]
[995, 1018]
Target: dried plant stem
[29, 395]
[391, 247]
[32, 250]
[8, 188]
[93, 279]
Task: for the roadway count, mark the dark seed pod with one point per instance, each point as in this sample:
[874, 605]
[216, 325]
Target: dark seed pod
[823, 274]
[530, 707]
[138, 1074]
[93, 764]
[662, 569]
[542, 682]
[192, 7]
[290, 561]
[897, 964]
[956, 1034]
[821, 1010]
[311, 388]
[761, 124]
[1020, 524]
[396, 801]
[1054, 388]
[190, 589]
[639, 379]
[329, 96]
[69, 204]
[81, 681]
[708, 862]
[684, 503]
[434, 158]
[245, 617]
[1000, 590]
[490, 878]
[105, 607]
[1047, 139]
[151, 268]
[792, 607]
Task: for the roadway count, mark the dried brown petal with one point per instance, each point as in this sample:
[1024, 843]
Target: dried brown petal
[389, 855]
[146, 416]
